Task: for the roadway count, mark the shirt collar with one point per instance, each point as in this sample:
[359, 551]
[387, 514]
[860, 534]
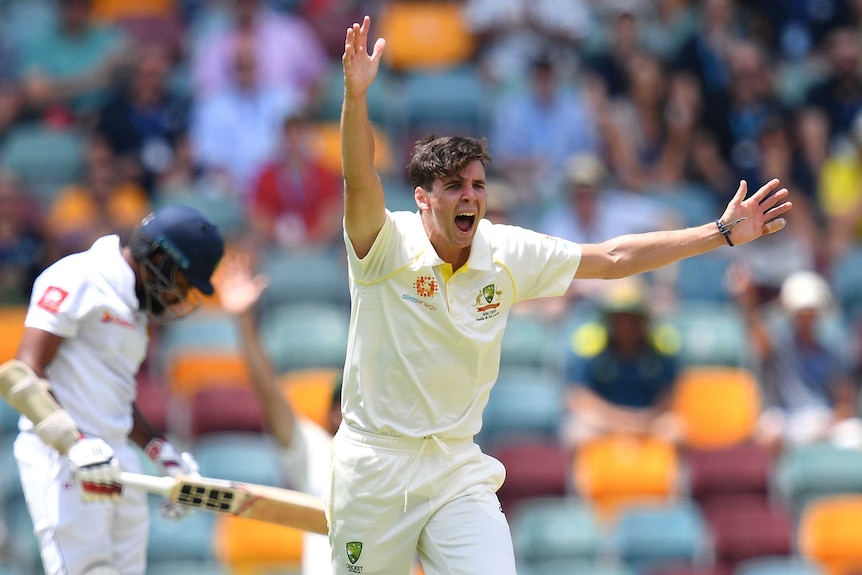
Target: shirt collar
[480, 250]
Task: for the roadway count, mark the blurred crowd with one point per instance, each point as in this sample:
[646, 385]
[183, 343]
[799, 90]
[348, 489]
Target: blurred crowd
[603, 118]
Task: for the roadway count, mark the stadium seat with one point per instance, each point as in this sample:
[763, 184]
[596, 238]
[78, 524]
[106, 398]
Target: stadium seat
[210, 331]
[421, 35]
[740, 469]
[211, 567]
[44, 158]
[298, 336]
[111, 10]
[702, 279]
[804, 473]
[567, 567]
[298, 278]
[380, 96]
[191, 371]
[310, 392]
[239, 456]
[717, 406]
[538, 468]
[711, 333]
[186, 540]
[550, 528]
[526, 405]
[830, 533]
[12, 328]
[452, 100]
[617, 471]
[224, 210]
[326, 144]
[747, 526]
[845, 278]
[218, 409]
[778, 566]
[528, 341]
[246, 545]
[648, 536]
[152, 400]
[707, 570]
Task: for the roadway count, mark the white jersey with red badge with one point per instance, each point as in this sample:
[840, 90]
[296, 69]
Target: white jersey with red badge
[424, 344]
[89, 299]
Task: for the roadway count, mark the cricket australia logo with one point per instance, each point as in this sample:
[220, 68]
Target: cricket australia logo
[354, 550]
[488, 301]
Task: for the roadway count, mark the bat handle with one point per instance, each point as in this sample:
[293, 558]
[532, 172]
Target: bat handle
[150, 483]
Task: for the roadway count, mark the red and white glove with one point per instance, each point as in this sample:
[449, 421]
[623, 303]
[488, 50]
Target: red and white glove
[95, 469]
[172, 463]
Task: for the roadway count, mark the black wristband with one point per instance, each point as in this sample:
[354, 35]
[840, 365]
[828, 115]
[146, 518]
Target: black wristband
[724, 231]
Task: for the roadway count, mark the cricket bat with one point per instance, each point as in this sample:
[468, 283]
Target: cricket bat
[261, 502]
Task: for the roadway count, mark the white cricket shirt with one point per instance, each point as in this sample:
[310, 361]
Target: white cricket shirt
[424, 351]
[89, 299]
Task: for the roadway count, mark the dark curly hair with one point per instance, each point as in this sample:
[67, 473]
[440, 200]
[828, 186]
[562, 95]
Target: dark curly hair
[437, 157]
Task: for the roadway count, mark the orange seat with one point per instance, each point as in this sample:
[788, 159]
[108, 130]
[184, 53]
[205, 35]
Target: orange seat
[830, 533]
[310, 392]
[425, 35]
[717, 406]
[247, 546]
[618, 470]
[326, 144]
[11, 330]
[112, 10]
[192, 370]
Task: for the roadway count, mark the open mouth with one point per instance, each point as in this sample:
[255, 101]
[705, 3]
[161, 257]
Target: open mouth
[465, 222]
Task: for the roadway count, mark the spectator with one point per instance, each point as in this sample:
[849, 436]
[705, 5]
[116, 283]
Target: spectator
[236, 130]
[296, 200]
[305, 444]
[143, 121]
[591, 211]
[651, 127]
[620, 371]
[104, 202]
[21, 242]
[833, 102]
[839, 194]
[537, 129]
[69, 69]
[809, 393]
[289, 55]
[512, 33]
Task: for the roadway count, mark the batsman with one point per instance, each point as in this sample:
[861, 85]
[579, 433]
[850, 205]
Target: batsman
[73, 381]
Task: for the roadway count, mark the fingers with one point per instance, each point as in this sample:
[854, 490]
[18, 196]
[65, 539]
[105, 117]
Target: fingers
[741, 192]
[765, 190]
[774, 226]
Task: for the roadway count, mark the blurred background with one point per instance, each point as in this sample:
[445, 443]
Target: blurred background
[730, 444]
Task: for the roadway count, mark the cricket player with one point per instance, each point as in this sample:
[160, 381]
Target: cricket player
[430, 295]
[86, 335]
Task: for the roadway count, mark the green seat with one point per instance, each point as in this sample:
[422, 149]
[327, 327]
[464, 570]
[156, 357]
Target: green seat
[524, 404]
[806, 472]
[710, 334]
[190, 539]
[305, 335]
[45, 159]
[555, 528]
[239, 456]
[224, 211]
[778, 566]
[300, 278]
[566, 567]
[529, 342]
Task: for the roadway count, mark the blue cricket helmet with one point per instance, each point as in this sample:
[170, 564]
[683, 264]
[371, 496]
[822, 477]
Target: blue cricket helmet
[189, 239]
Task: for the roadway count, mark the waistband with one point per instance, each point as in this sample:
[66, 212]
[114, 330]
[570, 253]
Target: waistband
[399, 443]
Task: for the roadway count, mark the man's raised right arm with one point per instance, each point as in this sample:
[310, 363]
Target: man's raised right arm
[364, 200]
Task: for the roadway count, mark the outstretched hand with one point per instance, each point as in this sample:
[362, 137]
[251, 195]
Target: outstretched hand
[360, 68]
[238, 290]
[761, 212]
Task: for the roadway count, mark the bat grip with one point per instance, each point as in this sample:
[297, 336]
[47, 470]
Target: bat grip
[150, 483]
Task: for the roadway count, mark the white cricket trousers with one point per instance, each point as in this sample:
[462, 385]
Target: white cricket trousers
[75, 536]
[391, 497]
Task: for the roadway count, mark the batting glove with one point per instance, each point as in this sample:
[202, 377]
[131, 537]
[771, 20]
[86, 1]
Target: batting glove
[95, 469]
[172, 463]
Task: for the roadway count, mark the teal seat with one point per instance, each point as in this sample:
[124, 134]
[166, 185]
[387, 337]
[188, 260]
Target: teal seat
[300, 278]
[566, 567]
[529, 341]
[305, 335]
[45, 159]
[214, 331]
[380, 98]
[239, 456]
[453, 98]
[225, 211]
[710, 334]
[523, 404]
[187, 539]
[702, 279]
[778, 566]
[846, 280]
[806, 472]
[555, 528]
[646, 536]
[179, 567]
